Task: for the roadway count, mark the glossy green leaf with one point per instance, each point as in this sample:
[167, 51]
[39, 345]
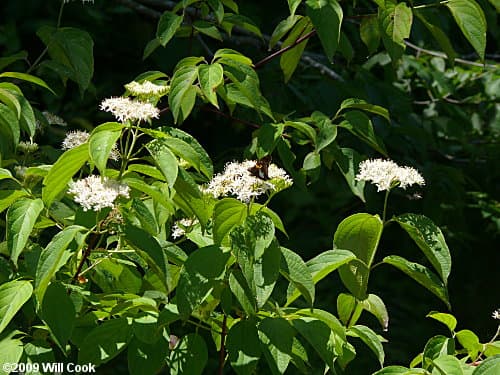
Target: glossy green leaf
[28, 78]
[292, 5]
[189, 356]
[282, 29]
[241, 290]
[319, 336]
[52, 258]
[371, 339]
[8, 197]
[168, 24]
[11, 350]
[361, 126]
[355, 103]
[228, 213]
[430, 240]
[295, 270]
[312, 161]
[470, 342]
[326, 16]
[147, 359]
[370, 33]
[420, 274]
[471, 20]
[58, 312]
[13, 295]
[374, 305]
[227, 53]
[9, 130]
[490, 366]
[360, 233]
[447, 319]
[72, 49]
[447, 364]
[165, 159]
[21, 218]
[289, 60]
[322, 265]
[182, 92]
[105, 341]
[243, 347]
[203, 268]
[61, 172]
[101, 142]
[210, 77]
[439, 35]
[348, 160]
[436, 347]
[276, 342]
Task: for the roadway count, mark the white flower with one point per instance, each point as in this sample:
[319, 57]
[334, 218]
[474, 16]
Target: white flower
[238, 181]
[496, 314]
[53, 119]
[76, 138]
[386, 174]
[126, 109]
[179, 228]
[147, 88]
[95, 193]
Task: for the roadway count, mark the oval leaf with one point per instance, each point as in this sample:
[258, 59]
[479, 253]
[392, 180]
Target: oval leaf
[101, 142]
[13, 295]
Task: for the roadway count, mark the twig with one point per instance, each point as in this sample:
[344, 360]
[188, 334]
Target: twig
[222, 352]
[92, 242]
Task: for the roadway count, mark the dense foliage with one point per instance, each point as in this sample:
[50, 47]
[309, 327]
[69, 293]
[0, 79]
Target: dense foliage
[204, 186]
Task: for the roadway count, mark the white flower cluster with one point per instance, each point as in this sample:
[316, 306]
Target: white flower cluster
[496, 314]
[147, 88]
[238, 181]
[76, 138]
[180, 226]
[95, 193]
[126, 109]
[386, 174]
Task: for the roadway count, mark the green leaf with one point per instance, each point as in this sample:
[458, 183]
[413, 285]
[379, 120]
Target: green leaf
[470, 18]
[289, 60]
[13, 295]
[147, 359]
[447, 319]
[447, 364]
[72, 49]
[276, 342]
[239, 287]
[393, 370]
[105, 341]
[243, 347]
[165, 159]
[228, 213]
[21, 218]
[348, 161]
[292, 5]
[7, 60]
[326, 16]
[320, 336]
[282, 28]
[395, 23]
[430, 240]
[374, 305]
[203, 268]
[231, 54]
[268, 135]
[348, 308]
[9, 130]
[322, 265]
[296, 272]
[52, 258]
[361, 126]
[243, 22]
[168, 24]
[207, 28]
[490, 366]
[355, 103]
[11, 350]
[10, 99]
[327, 131]
[152, 190]
[439, 35]
[61, 172]
[370, 33]
[111, 276]
[189, 356]
[101, 142]
[470, 342]
[28, 78]
[8, 197]
[436, 347]
[182, 92]
[370, 338]
[312, 161]
[420, 274]
[266, 273]
[359, 233]
[210, 77]
[58, 312]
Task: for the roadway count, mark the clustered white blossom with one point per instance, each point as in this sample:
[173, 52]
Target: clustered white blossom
[95, 193]
[126, 109]
[496, 314]
[180, 226]
[386, 174]
[76, 138]
[237, 180]
[147, 88]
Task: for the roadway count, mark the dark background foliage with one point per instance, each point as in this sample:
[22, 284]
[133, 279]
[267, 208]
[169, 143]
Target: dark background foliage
[445, 121]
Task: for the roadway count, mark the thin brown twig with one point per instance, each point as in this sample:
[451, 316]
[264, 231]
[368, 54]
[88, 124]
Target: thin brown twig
[92, 242]
[222, 352]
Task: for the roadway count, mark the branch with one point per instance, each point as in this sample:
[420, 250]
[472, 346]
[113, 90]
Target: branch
[141, 9]
[443, 55]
